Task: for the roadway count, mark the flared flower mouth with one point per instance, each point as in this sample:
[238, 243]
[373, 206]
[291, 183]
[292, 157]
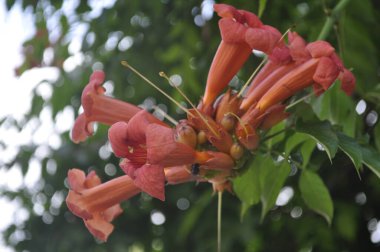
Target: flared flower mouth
[241, 32]
[99, 108]
[148, 145]
[89, 199]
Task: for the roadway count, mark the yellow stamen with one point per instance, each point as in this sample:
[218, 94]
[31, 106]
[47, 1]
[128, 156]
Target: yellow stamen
[163, 75]
[286, 32]
[165, 115]
[240, 121]
[252, 76]
[125, 63]
[299, 100]
[261, 64]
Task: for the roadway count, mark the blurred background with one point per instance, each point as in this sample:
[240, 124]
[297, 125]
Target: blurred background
[48, 51]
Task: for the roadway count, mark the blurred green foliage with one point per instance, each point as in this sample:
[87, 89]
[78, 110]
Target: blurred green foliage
[163, 35]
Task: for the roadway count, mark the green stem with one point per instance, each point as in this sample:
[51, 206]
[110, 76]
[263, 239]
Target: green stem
[298, 101]
[266, 138]
[219, 221]
[332, 18]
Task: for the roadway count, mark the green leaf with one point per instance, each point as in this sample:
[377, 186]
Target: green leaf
[371, 158]
[338, 108]
[272, 179]
[376, 132]
[353, 150]
[299, 111]
[277, 138]
[247, 186]
[262, 5]
[244, 208]
[306, 151]
[293, 141]
[322, 133]
[316, 195]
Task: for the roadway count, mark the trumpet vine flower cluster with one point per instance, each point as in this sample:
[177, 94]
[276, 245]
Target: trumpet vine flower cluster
[208, 144]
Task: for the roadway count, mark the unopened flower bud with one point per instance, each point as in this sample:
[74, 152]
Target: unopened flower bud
[177, 175]
[201, 137]
[213, 160]
[186, 134]
[229, 103]
[228, 122]
[275, 114]
[236, 151]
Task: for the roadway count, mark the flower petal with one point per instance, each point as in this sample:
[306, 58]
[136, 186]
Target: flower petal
[250, 19]
[320, 48]
[117, 135]
[232, 31]
[75, 179]
[262, 39]
[129, 167]
[99, 228]
[280, 56]
[151, 179]
[348, 81]
[82, 129]
[326, 72]
[95, 84]
[297, 46]
[227, 11]
[227, 61]
[138, 124]
[162, 149]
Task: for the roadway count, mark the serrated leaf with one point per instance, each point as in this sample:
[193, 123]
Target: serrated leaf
[316, 195]
[371, 158]
[272, 179]
[262, 5]
[322, 133]
[247, 186]
[352, 149]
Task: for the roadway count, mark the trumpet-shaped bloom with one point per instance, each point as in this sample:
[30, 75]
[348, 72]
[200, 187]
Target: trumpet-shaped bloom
[241, 32]
[99, 108]
[282, 60]
[148, 145]
[96, 203]
[312, 64]
[212, 140]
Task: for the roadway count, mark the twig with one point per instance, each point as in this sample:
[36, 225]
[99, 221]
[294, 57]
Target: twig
[332, 17]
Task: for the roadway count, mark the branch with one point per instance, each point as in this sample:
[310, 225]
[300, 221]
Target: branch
[332, 18]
